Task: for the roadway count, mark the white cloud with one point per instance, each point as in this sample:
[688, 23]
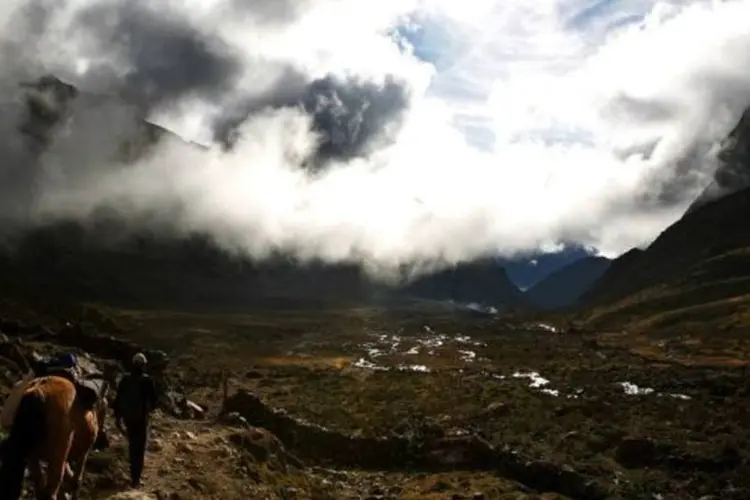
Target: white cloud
[592, 105]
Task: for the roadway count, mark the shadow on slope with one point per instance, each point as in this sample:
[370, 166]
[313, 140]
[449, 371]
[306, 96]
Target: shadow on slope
[564, 287]
[696, 274]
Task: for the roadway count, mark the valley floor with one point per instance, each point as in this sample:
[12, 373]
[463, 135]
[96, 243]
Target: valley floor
[627, 417]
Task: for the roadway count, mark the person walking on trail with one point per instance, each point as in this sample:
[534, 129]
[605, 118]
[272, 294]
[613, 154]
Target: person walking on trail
[135, 400]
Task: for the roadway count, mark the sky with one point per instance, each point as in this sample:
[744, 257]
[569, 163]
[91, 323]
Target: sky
[390, 133]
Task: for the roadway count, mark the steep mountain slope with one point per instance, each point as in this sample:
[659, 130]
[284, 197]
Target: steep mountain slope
[696, 273]
[733, 172]
[562, 288]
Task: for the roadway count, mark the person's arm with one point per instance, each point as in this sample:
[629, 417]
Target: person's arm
[117, 403]
[153, 397]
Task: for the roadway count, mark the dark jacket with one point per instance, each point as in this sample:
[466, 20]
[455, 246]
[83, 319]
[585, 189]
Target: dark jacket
[136, 397]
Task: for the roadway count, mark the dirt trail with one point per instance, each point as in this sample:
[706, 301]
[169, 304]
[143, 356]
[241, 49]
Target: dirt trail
[185, 459]
[193, 459]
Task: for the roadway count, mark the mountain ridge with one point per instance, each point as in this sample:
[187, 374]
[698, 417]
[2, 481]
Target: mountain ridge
[701, 261]
[733, 172]
[481, 282]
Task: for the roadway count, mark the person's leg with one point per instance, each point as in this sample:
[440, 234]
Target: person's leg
[131, 432]
[142, 435]
[137, 449]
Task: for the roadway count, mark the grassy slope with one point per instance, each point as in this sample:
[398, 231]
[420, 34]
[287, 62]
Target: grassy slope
[695, 275]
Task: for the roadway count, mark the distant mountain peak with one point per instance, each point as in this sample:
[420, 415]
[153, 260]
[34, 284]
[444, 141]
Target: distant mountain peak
[562, 288]
[482, 281]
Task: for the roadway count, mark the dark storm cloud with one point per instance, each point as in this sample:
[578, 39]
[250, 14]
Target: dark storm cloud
[151, 57]
[154, 56]
[167, 58]
[170, 59]
[351, 116]
[26, 128]
[19, 40]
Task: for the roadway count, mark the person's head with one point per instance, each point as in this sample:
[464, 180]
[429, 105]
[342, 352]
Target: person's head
[139, 362]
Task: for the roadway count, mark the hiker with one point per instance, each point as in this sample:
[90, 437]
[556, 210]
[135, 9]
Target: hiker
[136, 399]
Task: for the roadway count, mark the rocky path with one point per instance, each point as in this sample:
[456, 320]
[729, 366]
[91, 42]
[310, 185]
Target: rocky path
[187, 459]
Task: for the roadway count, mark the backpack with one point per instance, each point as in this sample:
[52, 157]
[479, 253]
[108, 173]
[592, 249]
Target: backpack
[63, 362]
[134, 405]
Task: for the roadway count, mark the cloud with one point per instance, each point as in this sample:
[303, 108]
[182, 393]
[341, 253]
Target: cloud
[155, 53]
[535, 124]
[352, 117]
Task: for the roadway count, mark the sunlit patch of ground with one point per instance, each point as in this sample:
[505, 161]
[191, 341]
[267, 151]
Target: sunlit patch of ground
[716, 351]
[336, 362]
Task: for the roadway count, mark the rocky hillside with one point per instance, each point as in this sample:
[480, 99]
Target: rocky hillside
[564, 287]
[696, 272]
